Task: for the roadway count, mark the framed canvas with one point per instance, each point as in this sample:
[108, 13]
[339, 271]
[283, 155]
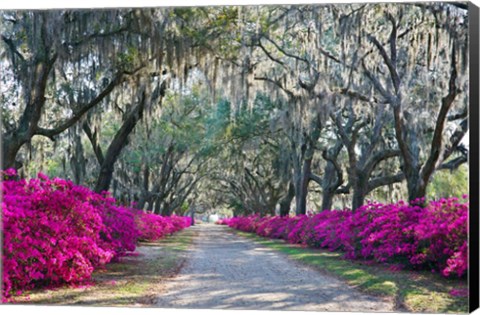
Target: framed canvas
[241, 156]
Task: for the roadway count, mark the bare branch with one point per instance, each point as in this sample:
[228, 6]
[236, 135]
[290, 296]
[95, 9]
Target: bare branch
[453, 164]
[12, 47]
[455, 139]
[337, 167]
[286, 53]
[83, 109]
[447, 102]
[389, 62]
[460, 115]
[277, 83]
[92, 136]
[385, 180]
[380, 156]
[269, 55]
[86, 39]
[378, 86]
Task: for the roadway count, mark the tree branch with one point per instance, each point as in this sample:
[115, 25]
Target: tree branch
[455, 139]
[457, 116]
[89, 37]
[12, 47]
[269, 55]
[283, 51]
[385, 180]
[94, 141]
[289, 93]
[354, 95]
[447, 102]
[85, 107]
[343, 190]
[317, 179]
[392, 60]
[378, 157]
[339, 181]
[453, 164]
[378, 86]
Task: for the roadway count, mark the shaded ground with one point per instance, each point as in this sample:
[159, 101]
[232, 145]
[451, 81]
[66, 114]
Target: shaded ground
[135, 280]
[227, 271]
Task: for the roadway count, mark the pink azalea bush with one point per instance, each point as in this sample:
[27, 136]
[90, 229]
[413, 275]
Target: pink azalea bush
[384, 232]
[153, 227]
[57, 232]
[442, 233]
[119, 232]
[433, 237]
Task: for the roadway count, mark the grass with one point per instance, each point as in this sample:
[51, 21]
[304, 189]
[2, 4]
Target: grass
[411, 291]
[134, 280]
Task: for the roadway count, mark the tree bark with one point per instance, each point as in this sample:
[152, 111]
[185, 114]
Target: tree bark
[158, 206]
[417, 188]
[77, 160]
[10, 148]
[360, 190]
[327, 199]
[333, 177]
[117, 145]
[286, 201]
[28, 124]
[301, 187]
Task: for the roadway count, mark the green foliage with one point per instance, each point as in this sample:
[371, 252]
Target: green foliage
[129, 59]
[449, 183]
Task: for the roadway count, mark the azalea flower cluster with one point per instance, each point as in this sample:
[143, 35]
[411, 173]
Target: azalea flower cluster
[57, 232]
[433, 237]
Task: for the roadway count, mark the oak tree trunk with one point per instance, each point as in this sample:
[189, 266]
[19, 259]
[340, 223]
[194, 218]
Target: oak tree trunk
[286, 201]
[301, 187]
[117, 145]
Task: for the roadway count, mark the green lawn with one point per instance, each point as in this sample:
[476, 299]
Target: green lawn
[133, 281]
[411, 291]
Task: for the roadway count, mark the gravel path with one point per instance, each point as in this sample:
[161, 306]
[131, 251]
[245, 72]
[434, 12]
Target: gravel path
[227, 271]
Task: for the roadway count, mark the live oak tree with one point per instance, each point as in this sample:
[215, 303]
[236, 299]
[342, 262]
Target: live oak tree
[417, 86]
[58, 65]
[161, 63]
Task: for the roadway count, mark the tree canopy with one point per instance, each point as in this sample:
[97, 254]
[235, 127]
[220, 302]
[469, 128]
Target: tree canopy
[258, 109]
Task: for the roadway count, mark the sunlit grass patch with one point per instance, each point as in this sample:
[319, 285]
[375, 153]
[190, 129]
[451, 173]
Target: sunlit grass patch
[411, 291]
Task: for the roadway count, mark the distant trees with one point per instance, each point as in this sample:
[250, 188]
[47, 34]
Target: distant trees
[168, 156]
[253, 172]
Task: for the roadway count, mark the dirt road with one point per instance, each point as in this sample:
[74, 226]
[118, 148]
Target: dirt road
[227, 271]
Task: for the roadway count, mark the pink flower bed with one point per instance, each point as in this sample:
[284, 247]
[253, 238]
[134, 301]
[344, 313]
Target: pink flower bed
[432, 237]
[57, 232]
